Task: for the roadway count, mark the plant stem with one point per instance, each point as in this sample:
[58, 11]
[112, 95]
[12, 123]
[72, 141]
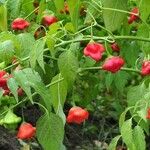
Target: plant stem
[100, 68]
[118, 10]
[105, 38]
[31, 13]
[50, 57]
[8, 67]
[133, 38]
[88, 38]
[131, 70]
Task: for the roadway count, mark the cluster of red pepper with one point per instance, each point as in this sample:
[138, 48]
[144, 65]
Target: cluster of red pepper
[93, 50]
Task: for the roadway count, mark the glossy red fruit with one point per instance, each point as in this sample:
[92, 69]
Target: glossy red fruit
[77, 115]
[133, 17]
[115, 47]
[26, 131]
[4, 76]
[94, 50]
[20, 24]
[145, 68]
[113, 64]
[148, 114]
[48, 20]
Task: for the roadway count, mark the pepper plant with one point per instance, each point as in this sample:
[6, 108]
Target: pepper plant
[58, 52]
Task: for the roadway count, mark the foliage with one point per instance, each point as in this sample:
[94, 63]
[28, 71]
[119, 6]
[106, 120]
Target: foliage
[49, 64]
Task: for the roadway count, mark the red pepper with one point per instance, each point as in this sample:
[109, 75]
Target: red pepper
[48, 20]
[148, 114]
[133, 17]
[26, 131]
[94, 50]
[77, 115]
[20, 24]
[115, 47]
[113, 64]
[145, 68]
[4, 76]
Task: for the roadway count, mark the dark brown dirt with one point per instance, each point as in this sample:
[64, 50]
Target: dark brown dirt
[8, 141]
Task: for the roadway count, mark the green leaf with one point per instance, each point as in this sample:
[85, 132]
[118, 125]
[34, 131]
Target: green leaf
[35, 81]
[58, 94]
[120, 80]
[112, 18]
[135, 94]
[144, 9]
[58, 91]
[68, 66]
[122, 117]
[26, 8]
[42, 8]
[139, 95]
[50, 132]
[22, 80]
[113, 144]
[109, 80]
[139, 138]
[130, 50]
[37, 54]
[13, 86]
[6, 51]
[59, 4]
[143, 31]
[3, 18]
[74, 6]
[142, 113]
[14, 8]
[26, 42]
[53, 28]
[2, 2]
[50, 44]
[92, 11]
[69, 27]
[127, 134]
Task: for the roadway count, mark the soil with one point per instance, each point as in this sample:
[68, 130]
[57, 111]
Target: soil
[8, 141]
[95, 134]
[31, 114]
